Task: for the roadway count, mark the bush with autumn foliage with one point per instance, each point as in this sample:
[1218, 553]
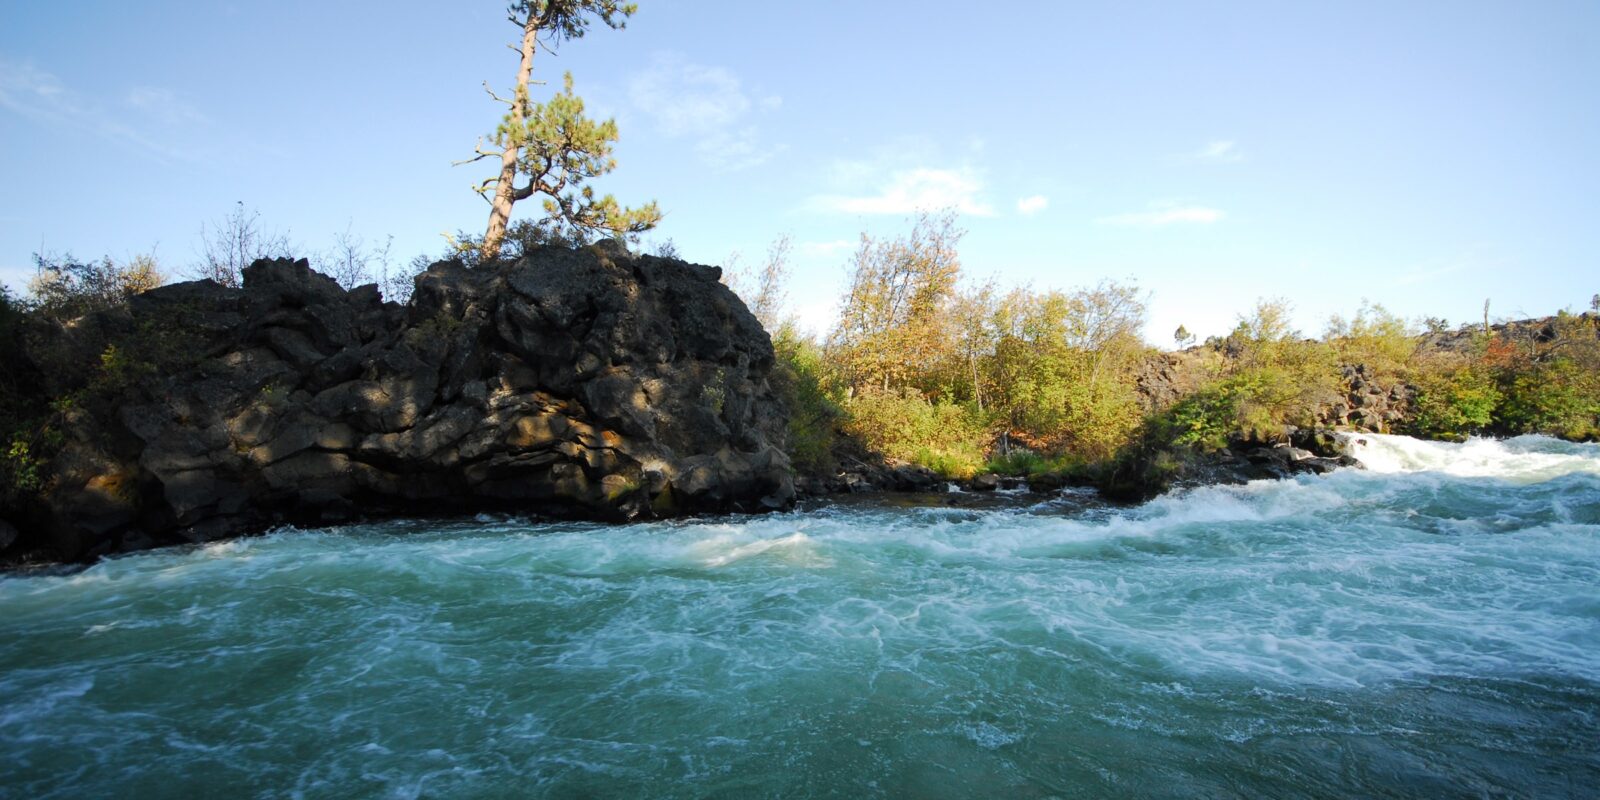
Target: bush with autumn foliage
[924, 366]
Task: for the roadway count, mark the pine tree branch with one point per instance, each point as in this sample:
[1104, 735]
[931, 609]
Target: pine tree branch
[493, 96]
[476, 158]
[481, 154]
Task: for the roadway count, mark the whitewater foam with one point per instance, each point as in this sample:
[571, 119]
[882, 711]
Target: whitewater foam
[1524, 459]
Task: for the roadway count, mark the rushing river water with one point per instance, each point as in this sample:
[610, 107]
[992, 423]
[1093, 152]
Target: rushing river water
[1429, 627]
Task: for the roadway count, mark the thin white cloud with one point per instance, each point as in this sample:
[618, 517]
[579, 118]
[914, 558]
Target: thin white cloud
[41, 97]
[688, 98]
[912, 190]
[1419, 274]
[735, 149]
[1165, 215]
[708, 104]
[1220, 151]
[33, 93]
[1474, 259]
[826, 248]
[164, 106]
[1028, 206]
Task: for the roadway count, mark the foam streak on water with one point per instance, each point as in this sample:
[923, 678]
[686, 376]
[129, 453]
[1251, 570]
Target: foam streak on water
[1428, 627]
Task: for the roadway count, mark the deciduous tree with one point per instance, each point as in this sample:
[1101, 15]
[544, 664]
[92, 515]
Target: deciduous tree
[892, 325]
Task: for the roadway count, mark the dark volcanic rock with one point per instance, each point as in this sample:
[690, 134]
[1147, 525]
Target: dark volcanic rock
[863, 471]
[1316, 451]
[581, 383]
[1368, 406]
[986, 482]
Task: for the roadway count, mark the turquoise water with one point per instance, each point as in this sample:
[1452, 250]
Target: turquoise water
[1427, 628]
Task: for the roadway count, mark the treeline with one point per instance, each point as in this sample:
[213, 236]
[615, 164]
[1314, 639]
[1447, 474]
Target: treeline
[926, 366]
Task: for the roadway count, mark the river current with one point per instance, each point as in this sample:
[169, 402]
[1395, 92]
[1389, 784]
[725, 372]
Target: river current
[1427, 627]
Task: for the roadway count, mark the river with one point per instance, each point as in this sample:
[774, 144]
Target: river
[1427, 627]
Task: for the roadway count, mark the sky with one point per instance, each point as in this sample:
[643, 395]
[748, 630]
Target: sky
[1422, 155]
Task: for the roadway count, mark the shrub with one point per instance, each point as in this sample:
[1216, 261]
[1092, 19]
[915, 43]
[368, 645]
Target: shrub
[64, 288]
[1556, 388]
[960, 463]
[813, 415]
[1274, 378]
[1558, 397]
[1269, 398]
[1202, 421]
[235, 242]
[944, 436]
[1023, 462]
[1020, 461]
[1453, 404]
[1374, 337]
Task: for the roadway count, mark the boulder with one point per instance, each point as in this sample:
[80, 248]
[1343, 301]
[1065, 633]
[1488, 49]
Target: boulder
[986, 482]
[913, 478]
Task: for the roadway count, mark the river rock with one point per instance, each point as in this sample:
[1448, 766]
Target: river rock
[986, 482]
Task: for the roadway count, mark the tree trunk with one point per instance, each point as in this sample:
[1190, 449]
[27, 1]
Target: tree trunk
[977, 391]
[505, 188]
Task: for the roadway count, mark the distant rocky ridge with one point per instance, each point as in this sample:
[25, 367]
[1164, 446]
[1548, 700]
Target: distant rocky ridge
[583, 383]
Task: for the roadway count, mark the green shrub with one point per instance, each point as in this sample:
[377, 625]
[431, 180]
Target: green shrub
[1550, 382]
[959, 463]
[1274, 378]
[1202, 421]
[1454, 404]
[1559, 398]
[1023, 462]
[1254, 404]
[813, 415]
[1375, 337]
[946, 437]
[1271, 397]
[1020, 461]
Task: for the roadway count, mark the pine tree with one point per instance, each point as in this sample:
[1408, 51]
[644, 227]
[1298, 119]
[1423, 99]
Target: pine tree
[554, 145]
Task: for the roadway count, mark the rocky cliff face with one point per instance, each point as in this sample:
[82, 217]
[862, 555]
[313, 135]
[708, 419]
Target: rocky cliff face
[580, 383]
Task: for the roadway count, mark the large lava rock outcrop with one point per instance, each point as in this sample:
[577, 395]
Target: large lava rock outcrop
[578, 383]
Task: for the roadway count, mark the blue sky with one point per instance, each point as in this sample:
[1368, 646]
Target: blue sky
[1422, 155]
